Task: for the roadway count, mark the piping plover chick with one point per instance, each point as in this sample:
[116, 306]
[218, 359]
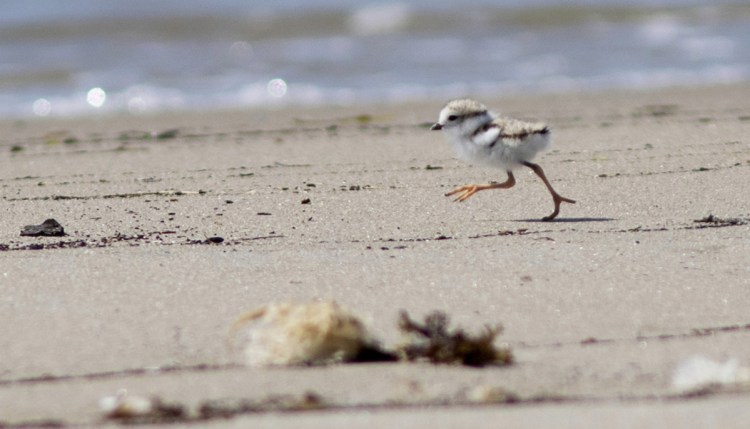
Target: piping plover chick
[480, 137]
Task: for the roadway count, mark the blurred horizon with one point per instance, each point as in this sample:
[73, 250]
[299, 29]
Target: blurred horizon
[87, 56]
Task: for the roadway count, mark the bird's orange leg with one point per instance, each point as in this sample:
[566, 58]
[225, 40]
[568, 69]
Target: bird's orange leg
[464, 192]
[557, 198]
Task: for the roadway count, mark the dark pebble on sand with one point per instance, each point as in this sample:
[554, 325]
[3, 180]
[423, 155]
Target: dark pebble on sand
[48, 228]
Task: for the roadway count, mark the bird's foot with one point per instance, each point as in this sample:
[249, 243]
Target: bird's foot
[566, 200]
[558, 200]
[464, 192]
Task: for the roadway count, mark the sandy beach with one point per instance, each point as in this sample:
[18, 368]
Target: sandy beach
[601, 307]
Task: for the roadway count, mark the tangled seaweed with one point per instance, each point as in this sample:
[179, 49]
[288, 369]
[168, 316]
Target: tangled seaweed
[433, 341]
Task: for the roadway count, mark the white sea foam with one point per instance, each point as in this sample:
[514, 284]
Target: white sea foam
[708, 48]
[380, 19]
[661, 30]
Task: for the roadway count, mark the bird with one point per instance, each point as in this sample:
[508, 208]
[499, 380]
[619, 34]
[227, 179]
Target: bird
[481, 137]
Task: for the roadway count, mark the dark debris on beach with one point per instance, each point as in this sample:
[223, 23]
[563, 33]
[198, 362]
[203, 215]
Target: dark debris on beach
[433, 341]
[48, 228]
[712, 221]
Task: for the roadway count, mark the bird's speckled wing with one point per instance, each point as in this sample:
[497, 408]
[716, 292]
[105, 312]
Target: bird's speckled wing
[507, 129]
[515, 129]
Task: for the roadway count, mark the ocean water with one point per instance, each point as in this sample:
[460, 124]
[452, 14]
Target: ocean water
[80, 57]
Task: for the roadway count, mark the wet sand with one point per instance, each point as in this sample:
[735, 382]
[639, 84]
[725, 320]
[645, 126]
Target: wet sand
[599, 307]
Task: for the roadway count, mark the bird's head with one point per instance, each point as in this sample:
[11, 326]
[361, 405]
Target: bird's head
[462, 116]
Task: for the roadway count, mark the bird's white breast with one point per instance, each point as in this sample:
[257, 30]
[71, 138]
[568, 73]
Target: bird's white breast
[492, 148]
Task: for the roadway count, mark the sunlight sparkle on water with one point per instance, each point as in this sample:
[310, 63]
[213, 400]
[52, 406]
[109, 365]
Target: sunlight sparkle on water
[42, 107]
[277, 88]
[96, 97]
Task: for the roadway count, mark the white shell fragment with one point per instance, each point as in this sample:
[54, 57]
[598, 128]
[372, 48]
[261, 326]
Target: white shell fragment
[484, 394]
[699, 372]
[122, 405]
[139, 409]
[302, 334]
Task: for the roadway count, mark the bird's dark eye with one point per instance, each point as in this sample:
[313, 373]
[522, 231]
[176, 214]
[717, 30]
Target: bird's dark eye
[452, 117]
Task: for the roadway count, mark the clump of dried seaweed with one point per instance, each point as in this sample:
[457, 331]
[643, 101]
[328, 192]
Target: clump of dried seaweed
[140, 410]
[433, 341]
[321, 333]
[226, 408]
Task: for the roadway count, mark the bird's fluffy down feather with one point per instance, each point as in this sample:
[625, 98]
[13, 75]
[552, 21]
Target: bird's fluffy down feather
[481, 137]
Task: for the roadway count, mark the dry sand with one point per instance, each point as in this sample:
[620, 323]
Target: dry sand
[599, 307]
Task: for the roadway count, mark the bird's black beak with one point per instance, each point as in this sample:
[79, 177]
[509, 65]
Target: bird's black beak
[436, 127]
